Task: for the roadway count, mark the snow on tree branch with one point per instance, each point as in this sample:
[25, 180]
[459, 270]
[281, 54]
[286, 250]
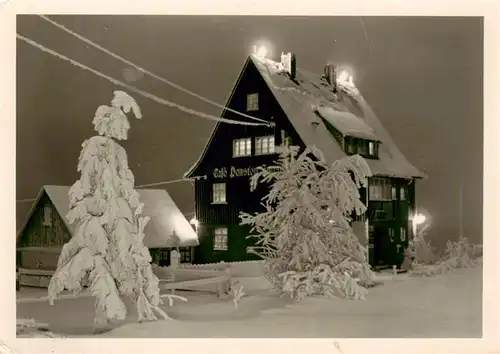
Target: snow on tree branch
[304, 233]
[107, 246]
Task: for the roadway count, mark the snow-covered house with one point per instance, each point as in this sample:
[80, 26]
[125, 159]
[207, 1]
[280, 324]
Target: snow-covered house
[323, 110]
[41, 237]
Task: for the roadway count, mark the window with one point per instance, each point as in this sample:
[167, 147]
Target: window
[47, 215]
[393, 192]
[402, 193]
[253, 102]
[219, 193]
[185, 253]
[242, 147]
[220, 239]
[380, 189]
[371, 148]
[361, 146]
[264, 145]
[349, 147]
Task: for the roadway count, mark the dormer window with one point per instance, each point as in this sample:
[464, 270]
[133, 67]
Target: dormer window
[365, 148]
[252, 102]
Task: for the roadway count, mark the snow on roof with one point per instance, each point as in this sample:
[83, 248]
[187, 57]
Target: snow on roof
[346, 123]
[167, 228]
[299, 98]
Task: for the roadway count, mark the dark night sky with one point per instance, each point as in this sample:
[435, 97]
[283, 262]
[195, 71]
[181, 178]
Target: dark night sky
[422, 77]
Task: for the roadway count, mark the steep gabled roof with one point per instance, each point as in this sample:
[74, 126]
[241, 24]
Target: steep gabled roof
[193, 167]
[167, 227]
[347, 111]
[309, 98]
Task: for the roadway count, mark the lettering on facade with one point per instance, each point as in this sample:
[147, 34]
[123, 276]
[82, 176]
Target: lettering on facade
[233, 172]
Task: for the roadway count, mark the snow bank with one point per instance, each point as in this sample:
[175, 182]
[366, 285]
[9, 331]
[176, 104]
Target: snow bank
[414, 308]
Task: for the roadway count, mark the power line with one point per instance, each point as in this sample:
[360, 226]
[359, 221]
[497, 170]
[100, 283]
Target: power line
[25, 200]
[138, 187]
[162, 183]
[136, 90]
[367, 37]
[168, 82]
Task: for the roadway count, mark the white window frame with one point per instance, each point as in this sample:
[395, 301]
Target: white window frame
[252, 102]
[265, 145]
[242, 147]
[380, 189]
[219, 193]
[402, 193]
[220, 239]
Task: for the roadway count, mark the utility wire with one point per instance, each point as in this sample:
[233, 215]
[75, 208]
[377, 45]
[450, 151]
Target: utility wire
[367, 37]
[138, 187]
[168, 82]
[136, 90]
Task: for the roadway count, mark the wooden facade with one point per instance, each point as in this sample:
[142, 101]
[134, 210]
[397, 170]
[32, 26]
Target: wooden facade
[219, 165]
[388, 215]
[40, 240]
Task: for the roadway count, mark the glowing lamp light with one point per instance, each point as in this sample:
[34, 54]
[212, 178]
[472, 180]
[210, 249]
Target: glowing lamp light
[345, 78]
[260, 51]
[418, 219]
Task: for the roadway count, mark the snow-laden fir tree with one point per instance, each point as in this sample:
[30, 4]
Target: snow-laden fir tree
[107, 247]
[458, 254]
[304, 234]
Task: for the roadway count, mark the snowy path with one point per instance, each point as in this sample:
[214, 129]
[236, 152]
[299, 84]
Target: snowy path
[443, 306]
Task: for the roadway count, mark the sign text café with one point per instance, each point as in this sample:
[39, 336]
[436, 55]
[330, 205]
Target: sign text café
[232, 172]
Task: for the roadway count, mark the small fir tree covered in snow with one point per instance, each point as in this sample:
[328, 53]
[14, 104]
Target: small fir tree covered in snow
[107, 247]
[458, 254]
[304, 235]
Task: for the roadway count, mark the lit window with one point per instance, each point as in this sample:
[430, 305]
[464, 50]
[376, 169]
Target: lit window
[242, 147]
[380, 189]
[394, 195]
[402, 193]
[47, 216]
[220, 239]
[264, 145]
[219, 193]
[253, 102]
[371, 148]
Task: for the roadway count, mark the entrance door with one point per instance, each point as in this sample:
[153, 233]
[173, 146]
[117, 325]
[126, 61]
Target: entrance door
[380, 245]
[388, 246]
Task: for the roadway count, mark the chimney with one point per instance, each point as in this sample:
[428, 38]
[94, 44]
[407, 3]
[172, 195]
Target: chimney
[331, 76]
[289, 63]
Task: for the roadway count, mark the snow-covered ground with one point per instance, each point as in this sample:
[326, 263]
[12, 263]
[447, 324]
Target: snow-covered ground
[445, 306]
